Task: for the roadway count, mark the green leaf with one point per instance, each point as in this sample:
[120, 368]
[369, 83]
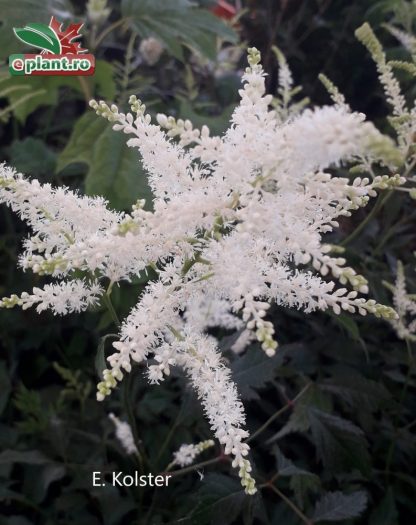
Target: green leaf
[348, 324]
[336, 506]
[299, 420]
[302, 485]
[32, 156]
[38, 91]
[13, 14]
[113, 507]
[356, 390]
[39, 35]
[178, 23]
[44, 478]
[45, 87]
[301, 481]
[114, 169]
[340, 444]
[252, 371]
[100, 362]
[103, 78]
[86, 133]
[217, 124]
[220, 500]
[154, 403]
[287, 468]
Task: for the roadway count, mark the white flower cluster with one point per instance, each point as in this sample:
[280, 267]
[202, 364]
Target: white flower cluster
[97, 11]
[237, 224]
[403, 118]
[124, 434]
[62, 298]
[405, 305]
[187, 453]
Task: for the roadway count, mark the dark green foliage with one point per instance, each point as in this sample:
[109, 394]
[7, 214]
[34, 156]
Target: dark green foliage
[336, 506]
[176, 23]
[334, 409]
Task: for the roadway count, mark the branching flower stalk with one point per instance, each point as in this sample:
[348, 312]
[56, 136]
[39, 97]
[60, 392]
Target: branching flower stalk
[187, 453]
[237, 224]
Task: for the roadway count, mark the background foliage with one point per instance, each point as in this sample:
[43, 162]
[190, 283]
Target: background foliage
[339, 397]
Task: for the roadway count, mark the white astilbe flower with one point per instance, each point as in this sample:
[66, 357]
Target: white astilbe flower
[402, 119]
[237, 224]
[223, 409]
[405, 306]
[62, 298]
[406, 39]
[97, 11]
[124, 434]
[187, 453]
[209, 311]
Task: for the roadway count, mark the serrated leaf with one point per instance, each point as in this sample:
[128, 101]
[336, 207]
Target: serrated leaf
[301, 481]
[114, 169]
[356, 390]
[39, 35]
[299, 420]
[302, 485]
[339, 443]
[220, 500]
[252, 371]
[178, 23]
[285, 467]
[336, 506]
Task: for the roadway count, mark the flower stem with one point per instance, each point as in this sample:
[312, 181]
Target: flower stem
[288, 502]
[108, 30]
[197, 466]
[381, 201]
[141, 454]
[286, 407]
[108, 303]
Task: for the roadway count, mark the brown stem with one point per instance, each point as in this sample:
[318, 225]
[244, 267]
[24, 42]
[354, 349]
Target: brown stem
[286, 407]
[108, 30]
[288, 502]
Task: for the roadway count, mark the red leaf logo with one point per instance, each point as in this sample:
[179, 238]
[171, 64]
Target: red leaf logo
[67, 37]
[224, 10]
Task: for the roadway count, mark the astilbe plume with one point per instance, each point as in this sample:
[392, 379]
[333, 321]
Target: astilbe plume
[237, 223]
[186, 453]
[405, 306]
[124, 434]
